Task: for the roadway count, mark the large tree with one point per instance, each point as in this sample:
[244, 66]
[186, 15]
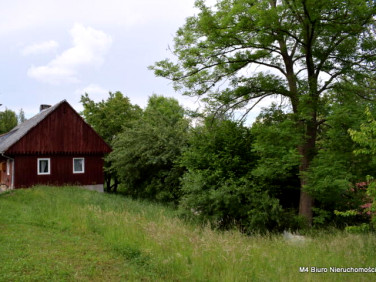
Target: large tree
[109, 117]
[241, 51]
[145, 153]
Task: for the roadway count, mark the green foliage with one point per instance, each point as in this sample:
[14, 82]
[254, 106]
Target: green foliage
[333, 170]
[336, 169]
[321, 217]
[223, 146]
[365, 137]
[265, 31]
[363, 228]
[8, 120]
[145, 153]
[216, 188]
[108, 118]
[371, 192]
[296, 43]
[275, 145]
[346, 213]
[330, 179]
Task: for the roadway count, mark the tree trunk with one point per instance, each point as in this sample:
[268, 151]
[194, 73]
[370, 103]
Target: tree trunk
[305, 201]
[307, 152]
[107, 180]
[305, 206]
[116, 183]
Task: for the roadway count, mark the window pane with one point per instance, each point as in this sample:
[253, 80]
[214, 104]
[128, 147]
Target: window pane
[78, 165]
[44, 166]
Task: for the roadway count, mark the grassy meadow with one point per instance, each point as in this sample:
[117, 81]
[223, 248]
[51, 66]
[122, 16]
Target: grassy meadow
[67, 233]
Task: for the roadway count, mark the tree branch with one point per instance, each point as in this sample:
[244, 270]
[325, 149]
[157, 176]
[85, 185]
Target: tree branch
[252, 107]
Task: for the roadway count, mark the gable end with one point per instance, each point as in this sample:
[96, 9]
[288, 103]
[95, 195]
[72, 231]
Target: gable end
[62, 130]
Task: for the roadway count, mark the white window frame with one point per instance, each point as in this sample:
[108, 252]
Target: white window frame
[83, 165]
[48, 165]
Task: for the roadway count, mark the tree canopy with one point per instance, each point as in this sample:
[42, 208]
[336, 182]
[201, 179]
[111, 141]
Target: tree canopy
[145, 152]
[242, 51]
[8, 120]
[109, 117]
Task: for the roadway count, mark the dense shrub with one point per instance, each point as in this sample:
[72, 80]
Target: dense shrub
[145, 152]
[217, 186]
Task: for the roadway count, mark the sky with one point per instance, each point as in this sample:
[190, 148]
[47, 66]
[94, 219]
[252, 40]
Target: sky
[53, 50]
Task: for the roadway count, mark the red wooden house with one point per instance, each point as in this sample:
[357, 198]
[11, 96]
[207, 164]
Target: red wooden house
[55, 147]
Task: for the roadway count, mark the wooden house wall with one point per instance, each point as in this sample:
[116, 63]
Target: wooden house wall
[62, 131]
[6, 176]
[26, 170]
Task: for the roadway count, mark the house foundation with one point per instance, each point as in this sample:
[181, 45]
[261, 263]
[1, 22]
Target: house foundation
[98, 187]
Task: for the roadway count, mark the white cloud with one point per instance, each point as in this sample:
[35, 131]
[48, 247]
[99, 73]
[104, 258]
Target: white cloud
[96, 92]
[40, 48]
[89, 48]
[17, 15]
[53, 74]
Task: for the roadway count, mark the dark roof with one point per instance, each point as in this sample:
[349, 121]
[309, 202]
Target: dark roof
[10, 138]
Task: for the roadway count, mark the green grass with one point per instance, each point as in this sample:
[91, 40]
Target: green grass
[66, 234]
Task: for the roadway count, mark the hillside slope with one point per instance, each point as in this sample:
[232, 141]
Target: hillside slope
[66, 233]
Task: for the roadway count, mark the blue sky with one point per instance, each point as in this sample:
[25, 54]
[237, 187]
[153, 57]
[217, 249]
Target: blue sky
[54, 50]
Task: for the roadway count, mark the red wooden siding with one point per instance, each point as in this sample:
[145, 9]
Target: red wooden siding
[5, 178]
[62, 131]
[26, 173]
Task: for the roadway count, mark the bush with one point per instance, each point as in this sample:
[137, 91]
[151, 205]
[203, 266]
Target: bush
[218, 187]
[229, 203]
[145, 153]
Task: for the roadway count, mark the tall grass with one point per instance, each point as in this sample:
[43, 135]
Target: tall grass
[145, 241]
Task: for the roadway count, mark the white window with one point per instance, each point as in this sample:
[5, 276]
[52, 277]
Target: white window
[78, 165]
[44, 166]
